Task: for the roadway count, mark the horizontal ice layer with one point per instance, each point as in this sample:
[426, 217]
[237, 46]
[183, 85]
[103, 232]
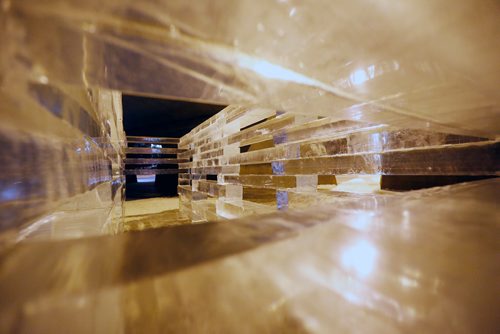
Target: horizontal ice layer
[385, 264]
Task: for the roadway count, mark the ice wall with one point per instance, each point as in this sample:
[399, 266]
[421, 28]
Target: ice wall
[245, 161]
[60, 148]
[61, 161]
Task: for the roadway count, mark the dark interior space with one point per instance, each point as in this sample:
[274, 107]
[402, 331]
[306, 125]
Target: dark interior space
[153, 117]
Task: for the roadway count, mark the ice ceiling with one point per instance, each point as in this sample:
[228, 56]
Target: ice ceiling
[420, 64]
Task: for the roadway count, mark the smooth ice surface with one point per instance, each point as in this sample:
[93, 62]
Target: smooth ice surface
[395, 266]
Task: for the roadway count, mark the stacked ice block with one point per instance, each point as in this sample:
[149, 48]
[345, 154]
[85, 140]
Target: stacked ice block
[248, 160]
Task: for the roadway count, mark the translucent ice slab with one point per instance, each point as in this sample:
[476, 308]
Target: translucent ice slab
[61, 151]
[421, 64]
[424, 261]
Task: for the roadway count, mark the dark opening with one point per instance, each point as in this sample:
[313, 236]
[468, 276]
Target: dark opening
[154, 117]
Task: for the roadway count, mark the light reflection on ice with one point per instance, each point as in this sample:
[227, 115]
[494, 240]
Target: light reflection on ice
[360, 257]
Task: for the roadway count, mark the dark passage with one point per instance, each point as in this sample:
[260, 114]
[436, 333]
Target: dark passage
[153, 117]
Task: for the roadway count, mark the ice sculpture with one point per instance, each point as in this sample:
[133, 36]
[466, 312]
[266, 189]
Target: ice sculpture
[330, 103]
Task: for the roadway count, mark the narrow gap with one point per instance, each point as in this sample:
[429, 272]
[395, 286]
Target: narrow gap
[254, 124]
[416, 182]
